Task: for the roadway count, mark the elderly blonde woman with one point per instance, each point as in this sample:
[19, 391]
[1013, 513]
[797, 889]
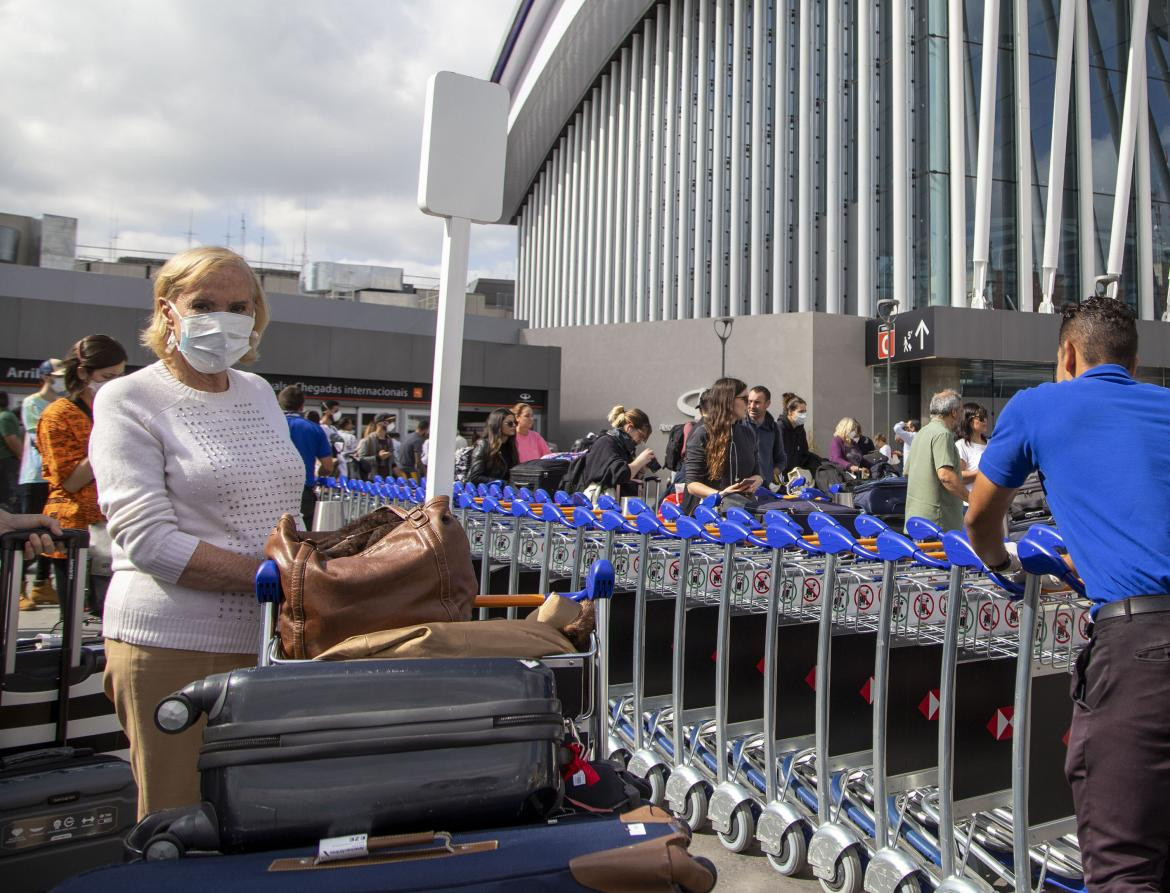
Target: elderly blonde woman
[845, 448]
[194, 468]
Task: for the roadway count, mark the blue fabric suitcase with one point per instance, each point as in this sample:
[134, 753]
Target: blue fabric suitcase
[643, 850]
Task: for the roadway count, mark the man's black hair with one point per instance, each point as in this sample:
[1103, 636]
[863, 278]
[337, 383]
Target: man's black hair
[291, 399]
[423, 425]
[763, 390]
[1104, 330]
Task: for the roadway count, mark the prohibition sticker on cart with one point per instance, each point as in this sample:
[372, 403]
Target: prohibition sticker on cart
[899, 608]
[840, 597]
[924, 606]
[929, 705]
[529, 548]
[1011, 614]
[762, 581]
[863, 597]
[1062, 626]
[674, 571]
[739, 583]
[812, 589]
[715, 578]
[988, 616]
[1083, 622]
[788, 592]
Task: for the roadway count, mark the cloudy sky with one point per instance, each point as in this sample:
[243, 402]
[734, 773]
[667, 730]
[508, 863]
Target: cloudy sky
[147, 119]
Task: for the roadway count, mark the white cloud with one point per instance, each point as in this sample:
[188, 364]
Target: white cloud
[137, 117]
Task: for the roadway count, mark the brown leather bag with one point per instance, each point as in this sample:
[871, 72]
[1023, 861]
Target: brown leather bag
[385, 570]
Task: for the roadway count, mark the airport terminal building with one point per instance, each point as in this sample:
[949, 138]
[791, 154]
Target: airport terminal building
[790, 163]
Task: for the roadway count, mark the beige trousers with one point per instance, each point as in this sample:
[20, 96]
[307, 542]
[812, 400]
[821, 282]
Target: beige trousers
[138, 677]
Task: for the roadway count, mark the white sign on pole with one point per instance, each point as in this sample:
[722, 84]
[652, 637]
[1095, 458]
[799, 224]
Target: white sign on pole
[461, 178]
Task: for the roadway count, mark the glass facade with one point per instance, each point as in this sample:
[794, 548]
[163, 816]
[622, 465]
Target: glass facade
[668, 142]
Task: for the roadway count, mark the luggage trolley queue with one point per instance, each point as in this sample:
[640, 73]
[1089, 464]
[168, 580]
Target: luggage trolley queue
[758, 676]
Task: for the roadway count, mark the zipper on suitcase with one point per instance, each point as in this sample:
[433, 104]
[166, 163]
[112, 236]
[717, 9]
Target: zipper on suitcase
[522, 719]
[241, 743]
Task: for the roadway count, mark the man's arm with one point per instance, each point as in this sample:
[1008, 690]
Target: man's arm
[989, 505]
[15, 444]
[952, 481]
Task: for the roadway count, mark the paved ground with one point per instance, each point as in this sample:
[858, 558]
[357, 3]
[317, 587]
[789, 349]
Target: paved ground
[748, 872]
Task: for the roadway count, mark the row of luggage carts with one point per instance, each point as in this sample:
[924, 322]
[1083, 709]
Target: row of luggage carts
[876, 706]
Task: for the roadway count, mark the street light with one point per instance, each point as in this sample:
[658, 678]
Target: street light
[723, 332]
[887, 309]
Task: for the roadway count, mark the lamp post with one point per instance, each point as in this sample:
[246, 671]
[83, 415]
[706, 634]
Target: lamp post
[887, 309]
[723, 332]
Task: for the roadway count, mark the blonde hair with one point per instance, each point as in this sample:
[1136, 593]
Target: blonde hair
[184, 272]
[619, 417]
[846, 428]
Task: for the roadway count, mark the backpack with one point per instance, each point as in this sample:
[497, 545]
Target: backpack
[574, 479]
[581, 444]
[673, 456]
[826, 474]
[1030, 502]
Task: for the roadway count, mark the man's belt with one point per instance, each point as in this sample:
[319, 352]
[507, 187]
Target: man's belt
[1135, 604]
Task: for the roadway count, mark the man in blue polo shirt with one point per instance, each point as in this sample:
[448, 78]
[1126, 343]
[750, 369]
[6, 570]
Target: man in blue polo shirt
[311, 442]
[1118, 536]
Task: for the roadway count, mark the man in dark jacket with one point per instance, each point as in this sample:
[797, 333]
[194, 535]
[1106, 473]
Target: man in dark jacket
[768, 440]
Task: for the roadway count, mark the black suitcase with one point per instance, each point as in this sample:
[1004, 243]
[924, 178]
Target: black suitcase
[800, 509]
[644, 850]
[295, 752]
[544, 473]
[881, 497]
[62, 809]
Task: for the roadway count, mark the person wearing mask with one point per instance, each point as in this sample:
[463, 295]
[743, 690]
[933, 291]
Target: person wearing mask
[973, 439]
[529, 444]
[721, 454]
[194, 467]
[311, 442]
[934, 484]
[793, 435]
[1116, 762]
[610, 462]
[63, 437]
[330, 413]
[494, 456]
[410, 458]
[845, 449]
[376, 450]
[768, 440]
[34, 490]
[904, 433]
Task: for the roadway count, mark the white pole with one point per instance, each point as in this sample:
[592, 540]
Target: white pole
[780, 162]
[719, 160]
[833, 157]
[545, 209]
[572, 311]
[448, 353]
[1129, 125]
[756, 249]
[738, 147]
[1145, 218]
[982, 246]
[1024, 156]
[655, 292]
[702, 287]
[900, 154]
[621, 197]
[957, 120]
[1086, 213]
[864, 160]
[669, 169]
[1056, 157]
[805, 220]
[632, 190]
[686, 180]
[590, 206]
[606, 225]
[645, 102]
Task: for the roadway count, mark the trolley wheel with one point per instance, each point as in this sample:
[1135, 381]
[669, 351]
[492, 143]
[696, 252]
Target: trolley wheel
[657, 780]
[847, 876]
[620, 758]
[910, 885]
[162, 848]
[695, 813]
[793, 856]
[743, 829]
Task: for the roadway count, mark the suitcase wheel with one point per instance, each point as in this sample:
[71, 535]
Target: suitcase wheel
[163, 847]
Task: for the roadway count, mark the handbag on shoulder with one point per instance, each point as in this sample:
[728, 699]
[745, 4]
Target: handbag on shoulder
[386, 570]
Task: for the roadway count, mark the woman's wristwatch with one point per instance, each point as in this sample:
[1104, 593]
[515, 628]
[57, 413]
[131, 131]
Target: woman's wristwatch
[1002, 566]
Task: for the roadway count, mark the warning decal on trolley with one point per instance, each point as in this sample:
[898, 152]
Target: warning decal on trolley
[867, 690]
[788, 592]
[929, 705]
[863, 597]
[674, 571]
[715, 578]
[988, 616]
[1062, 627]
[762, 582]
[924, 606]
[739, 583]
[811, 679]
[1012, 615]
[1000, 724]
[812, 589]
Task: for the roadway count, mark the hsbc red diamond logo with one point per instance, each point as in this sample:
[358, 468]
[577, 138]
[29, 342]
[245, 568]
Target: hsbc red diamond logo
[1064, 737]
[929, 705]
[811, 679]
[1000, 724]
[760, 667]
[714, 656]
[867, 690]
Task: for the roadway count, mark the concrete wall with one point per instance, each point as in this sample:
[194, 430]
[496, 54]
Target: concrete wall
[818, 356]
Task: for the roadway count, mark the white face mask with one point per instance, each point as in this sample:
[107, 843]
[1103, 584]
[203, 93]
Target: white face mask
[57, 384]
[214, 342]
[800, 418]
[95, 386]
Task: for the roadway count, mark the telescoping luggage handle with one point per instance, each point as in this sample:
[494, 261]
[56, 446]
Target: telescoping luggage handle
[12, 559]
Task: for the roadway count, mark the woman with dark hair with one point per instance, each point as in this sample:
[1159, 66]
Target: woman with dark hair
[793, 416]
[721, 455]
[63, 434]
[973, 439]
[494, 456]
[610, 462]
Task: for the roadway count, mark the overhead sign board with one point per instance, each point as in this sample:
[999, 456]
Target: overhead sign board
[907, 336]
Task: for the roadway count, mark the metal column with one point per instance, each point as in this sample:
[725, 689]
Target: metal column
[957, 126]
[655, 279]
[1056, 155]
[900, 154]
[702, 287]
[780, 168]
[735, 239]
[645, 101]
[805, 220]
[982, 245]
[1145, 214]
[686, 179]
[833, 87]
[622, 199]
[865, 290]
[719, 160]
[1086, 213]
[669, 170]
[756, 247]
[632, 258]
[591, 198]
[1023, 90]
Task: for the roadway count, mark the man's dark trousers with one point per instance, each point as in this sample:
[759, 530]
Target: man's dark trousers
[1119, 754]
[308, 505]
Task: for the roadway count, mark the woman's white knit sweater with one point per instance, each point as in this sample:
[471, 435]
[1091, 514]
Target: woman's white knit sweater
[176, 466]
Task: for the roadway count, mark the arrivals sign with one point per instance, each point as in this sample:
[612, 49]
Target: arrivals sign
[907, 336]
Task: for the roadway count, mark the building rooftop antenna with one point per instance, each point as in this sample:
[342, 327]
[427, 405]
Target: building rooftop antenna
[190, 226]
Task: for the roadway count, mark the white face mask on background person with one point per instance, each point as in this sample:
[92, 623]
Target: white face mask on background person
[214, 342]
[57, 385]
[800, 418]
[95, 386]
